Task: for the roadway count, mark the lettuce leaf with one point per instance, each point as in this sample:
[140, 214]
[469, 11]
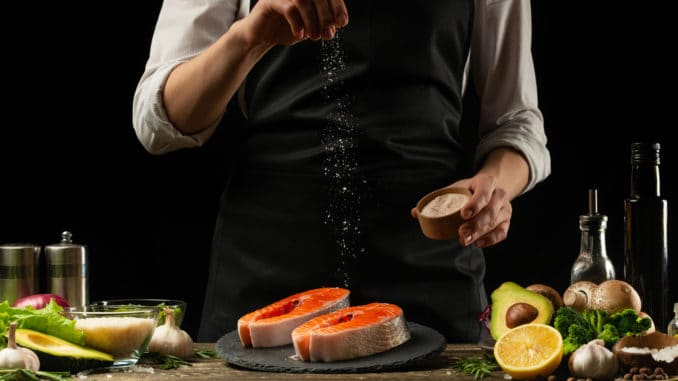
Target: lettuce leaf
[48, 320]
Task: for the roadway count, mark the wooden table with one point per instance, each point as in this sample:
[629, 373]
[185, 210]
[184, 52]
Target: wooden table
[437, 368]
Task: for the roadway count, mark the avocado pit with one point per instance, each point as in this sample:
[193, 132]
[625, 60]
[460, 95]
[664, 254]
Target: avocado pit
[520, 313]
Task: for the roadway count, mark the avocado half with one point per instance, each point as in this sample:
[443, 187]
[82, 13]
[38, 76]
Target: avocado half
[59, 355]
[510, 294]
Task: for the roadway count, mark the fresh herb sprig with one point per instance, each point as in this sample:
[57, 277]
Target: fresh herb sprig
[204, 354]
[174, 362]
[166, 361]
[479, 366]
[29, 375]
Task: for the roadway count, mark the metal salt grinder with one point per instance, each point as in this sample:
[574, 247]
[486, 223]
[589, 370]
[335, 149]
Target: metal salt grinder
[67, 270]
[19, 271]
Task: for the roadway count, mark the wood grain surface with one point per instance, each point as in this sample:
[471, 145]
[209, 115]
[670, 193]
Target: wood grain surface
[437, 368]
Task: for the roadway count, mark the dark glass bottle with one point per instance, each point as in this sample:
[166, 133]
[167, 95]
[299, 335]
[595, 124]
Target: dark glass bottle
[592, 263]
[646, 233]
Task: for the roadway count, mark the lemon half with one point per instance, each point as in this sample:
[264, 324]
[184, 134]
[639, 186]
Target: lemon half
[529, 350]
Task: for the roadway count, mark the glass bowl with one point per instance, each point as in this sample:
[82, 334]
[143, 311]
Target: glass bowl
[179, 306]
[124, 334]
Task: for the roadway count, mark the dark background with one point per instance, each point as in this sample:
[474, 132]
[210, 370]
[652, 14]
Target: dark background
[70, 159]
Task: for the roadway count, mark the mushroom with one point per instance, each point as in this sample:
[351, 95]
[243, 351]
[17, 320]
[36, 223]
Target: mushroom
[579, 295]
[549, 292]
[614, 296]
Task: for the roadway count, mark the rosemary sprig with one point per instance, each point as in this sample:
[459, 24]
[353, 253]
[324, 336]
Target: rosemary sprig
[167, 361]
[204, 354]
[479, 367]
[173, 362]
[29, 375]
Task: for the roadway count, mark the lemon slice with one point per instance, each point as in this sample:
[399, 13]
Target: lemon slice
[529, 350]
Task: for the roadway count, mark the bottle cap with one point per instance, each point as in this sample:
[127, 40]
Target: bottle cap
[645, 152]
[675, 308]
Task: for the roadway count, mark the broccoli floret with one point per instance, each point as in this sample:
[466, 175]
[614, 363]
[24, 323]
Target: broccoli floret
[609, 334]
[575, 329]
[596, 318]
[565, 317]
[579, 328]
[629, 323]
[577, 335]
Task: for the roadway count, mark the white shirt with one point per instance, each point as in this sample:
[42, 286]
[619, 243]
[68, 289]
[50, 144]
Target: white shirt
[500, 60]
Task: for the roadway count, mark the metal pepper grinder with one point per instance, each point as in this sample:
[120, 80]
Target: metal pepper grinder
[67, 270]
[19, 271]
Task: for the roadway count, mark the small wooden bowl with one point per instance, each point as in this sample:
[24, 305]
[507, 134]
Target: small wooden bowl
[654, 340]
[445, 226]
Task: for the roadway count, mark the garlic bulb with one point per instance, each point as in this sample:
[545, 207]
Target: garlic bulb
[168, 339]
[593, 360]
[13, 357]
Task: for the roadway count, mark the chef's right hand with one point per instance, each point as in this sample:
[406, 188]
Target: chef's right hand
[286, 22]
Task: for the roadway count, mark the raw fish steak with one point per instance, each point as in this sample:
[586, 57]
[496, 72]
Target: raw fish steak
[351, 332]
[272, 325]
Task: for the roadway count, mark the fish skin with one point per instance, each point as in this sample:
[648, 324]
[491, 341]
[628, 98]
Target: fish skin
[272, 325]
[351, 332]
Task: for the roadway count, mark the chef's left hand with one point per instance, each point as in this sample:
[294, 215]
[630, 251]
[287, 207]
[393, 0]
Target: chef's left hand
[487, 213]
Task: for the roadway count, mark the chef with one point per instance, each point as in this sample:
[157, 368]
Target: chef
[352, 113]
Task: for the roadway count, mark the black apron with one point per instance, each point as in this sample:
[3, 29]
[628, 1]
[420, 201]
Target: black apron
[342, 139]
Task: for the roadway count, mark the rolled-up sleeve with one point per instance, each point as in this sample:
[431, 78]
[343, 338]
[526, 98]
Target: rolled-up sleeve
[184, 28]
[503, 72]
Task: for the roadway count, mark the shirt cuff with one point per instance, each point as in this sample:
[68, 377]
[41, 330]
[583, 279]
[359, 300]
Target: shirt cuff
[523, 140]
[153, 127]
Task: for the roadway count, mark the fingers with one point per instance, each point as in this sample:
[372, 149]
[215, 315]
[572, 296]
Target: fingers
[292, 17]
[327, 17]
[489, 225]
[340, 12]
[490, 231]
[321, 18]
[310, 17]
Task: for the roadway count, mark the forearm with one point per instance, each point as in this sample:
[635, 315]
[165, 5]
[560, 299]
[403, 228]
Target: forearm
[197, 92]
[509, 168]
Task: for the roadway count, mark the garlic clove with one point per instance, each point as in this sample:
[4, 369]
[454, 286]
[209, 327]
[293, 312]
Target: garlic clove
[13, 357]
[169, 339]
[593, 360]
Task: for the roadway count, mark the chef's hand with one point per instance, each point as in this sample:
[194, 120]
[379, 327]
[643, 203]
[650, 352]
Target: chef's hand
[286, 22]
[487, 213]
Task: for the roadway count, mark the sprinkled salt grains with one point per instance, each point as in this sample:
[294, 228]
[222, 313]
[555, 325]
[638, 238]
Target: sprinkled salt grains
[341, 157]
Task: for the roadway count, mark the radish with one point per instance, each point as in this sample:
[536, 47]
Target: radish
[39, 301]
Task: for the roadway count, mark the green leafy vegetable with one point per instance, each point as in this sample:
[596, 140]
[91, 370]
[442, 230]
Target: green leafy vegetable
[25, 374]
[629, 323]
[47, 320]
[578, 328]
[479, 367]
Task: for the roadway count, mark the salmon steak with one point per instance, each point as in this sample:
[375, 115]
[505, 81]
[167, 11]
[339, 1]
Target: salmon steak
[272, 325]
[351, 332]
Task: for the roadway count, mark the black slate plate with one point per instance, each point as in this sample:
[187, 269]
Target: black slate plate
[424, 343]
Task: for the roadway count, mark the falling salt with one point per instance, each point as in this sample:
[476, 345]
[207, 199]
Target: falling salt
[339, 137]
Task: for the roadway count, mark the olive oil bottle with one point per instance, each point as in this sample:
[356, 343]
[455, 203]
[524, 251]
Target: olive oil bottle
[646, 234]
